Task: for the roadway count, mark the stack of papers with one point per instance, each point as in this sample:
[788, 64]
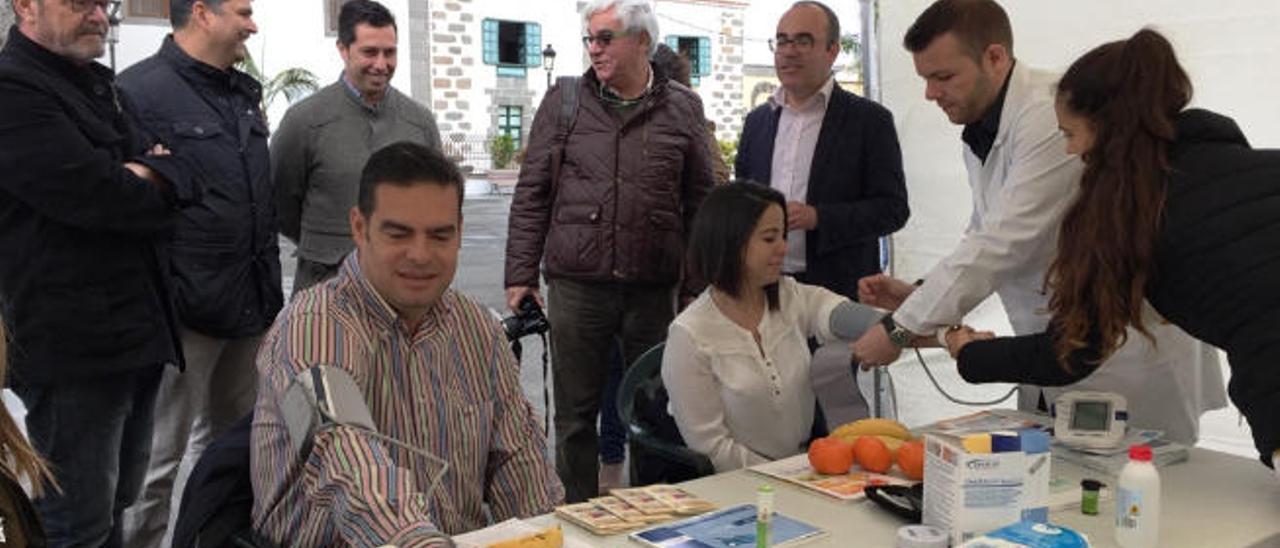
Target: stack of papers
[1112, 459]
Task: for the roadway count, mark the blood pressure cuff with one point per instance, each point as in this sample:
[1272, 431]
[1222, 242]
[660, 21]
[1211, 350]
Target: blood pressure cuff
[319, 396]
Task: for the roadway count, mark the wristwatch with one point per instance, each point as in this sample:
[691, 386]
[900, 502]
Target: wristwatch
[898, 335]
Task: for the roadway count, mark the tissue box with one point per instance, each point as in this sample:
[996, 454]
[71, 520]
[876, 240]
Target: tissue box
[968, 492]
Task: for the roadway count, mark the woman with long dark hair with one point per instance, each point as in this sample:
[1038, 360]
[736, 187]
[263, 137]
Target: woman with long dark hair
[19, 522]
[1174, 208]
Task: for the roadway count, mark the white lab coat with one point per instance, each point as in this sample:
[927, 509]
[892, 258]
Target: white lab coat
[1020, 195]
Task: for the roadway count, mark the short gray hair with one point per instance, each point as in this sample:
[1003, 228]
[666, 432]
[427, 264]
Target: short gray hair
[635, 16]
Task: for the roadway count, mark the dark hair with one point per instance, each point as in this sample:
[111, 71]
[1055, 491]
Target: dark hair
[1129, 91]
[833, 22]
[406, 164]
[677, 67]
[180, 10]
[976, 24]
[356, 12]
[721, 230]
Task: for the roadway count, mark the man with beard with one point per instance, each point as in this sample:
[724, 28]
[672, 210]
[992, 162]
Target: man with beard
[224, 256]
[81, 285]
[324, 141]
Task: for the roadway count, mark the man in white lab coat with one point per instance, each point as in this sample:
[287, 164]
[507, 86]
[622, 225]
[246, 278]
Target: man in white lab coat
[1022, 180]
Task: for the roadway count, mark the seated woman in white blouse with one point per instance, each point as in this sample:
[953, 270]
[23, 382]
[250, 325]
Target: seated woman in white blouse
[736, 364]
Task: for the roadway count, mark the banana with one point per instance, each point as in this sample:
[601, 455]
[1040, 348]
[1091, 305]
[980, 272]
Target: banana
[872, 427]
[892, 443]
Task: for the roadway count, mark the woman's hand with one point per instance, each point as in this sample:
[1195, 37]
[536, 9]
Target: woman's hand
[962, 335]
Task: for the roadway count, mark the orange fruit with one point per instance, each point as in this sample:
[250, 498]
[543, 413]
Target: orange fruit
[911, 459]
[830, 455]
[872, 454]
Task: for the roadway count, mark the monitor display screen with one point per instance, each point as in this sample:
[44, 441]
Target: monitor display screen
[1094, 416]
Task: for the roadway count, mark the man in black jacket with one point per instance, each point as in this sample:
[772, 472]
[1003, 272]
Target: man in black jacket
[224, 256]
[834, 155]
[81, 212]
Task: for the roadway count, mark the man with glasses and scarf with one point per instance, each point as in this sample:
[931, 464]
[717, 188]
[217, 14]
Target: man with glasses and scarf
[606, 195]
[834, 155]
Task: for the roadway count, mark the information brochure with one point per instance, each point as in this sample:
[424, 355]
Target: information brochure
[733, 527]
[846, 486]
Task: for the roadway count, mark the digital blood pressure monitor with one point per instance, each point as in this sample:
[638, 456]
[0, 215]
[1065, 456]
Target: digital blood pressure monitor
[1090, 419]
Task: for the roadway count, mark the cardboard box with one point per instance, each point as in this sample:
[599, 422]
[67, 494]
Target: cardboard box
[968, 494]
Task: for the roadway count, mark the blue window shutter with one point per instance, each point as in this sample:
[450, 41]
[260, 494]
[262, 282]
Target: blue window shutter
[532, 45]
[704, 56]
[489, 35]
[673, 42]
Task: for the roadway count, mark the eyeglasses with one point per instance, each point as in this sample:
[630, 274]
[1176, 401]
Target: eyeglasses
[801, 42]
[602, 38]
[88, 6]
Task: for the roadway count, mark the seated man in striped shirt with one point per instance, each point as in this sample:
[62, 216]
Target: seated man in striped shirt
[434, 370]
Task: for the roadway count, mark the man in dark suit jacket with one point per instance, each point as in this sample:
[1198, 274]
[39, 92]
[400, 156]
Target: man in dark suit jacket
[833, 154]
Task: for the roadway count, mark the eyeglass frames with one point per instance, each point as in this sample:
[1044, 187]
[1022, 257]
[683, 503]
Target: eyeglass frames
[801, 42]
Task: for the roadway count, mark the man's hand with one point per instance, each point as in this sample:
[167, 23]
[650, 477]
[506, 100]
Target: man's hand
[874, 349]
[801, 216]
[144, 172]
[516, 293]
[882, 291]
[957, 338]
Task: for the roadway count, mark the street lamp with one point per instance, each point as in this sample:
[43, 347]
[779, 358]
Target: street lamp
[113, 30]
[548, 61]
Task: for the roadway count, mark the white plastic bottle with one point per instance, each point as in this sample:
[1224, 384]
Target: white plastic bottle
[1138, 501]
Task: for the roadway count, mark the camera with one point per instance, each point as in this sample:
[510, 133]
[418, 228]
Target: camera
[528, 320]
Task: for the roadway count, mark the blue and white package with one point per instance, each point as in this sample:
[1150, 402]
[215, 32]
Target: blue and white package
[1026, 534]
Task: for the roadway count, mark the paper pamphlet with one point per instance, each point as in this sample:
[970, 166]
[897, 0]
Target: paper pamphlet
[733, 527]
[847, 486]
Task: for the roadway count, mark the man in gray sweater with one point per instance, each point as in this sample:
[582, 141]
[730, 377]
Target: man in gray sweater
[323, 141]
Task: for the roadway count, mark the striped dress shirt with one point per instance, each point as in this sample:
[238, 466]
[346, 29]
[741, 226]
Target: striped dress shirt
[450, 387]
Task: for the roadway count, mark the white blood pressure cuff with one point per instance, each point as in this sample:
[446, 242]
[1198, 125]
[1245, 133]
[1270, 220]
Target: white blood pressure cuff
[319, 396]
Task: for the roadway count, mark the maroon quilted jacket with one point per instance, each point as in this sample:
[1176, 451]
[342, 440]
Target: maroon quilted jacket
[629, 187]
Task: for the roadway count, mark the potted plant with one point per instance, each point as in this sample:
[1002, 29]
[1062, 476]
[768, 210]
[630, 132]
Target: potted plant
[502, 152]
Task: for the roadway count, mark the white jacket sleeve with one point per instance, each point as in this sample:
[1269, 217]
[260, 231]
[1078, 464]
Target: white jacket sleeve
[696, 404]
[1019, 231]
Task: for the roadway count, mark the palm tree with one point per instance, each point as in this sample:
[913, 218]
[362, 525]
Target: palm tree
[293, 83]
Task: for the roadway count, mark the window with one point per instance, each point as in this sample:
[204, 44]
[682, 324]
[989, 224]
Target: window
[512, 46]
[697, 49]
[331, 9]
[510, 123]
[147, 9]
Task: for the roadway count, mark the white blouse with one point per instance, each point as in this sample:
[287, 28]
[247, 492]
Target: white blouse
[732, 404]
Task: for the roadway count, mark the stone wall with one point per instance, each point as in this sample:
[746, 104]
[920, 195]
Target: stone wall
[454, 29]
[723, 87]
